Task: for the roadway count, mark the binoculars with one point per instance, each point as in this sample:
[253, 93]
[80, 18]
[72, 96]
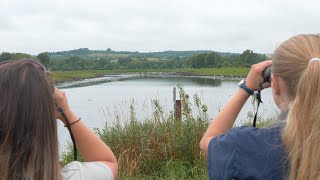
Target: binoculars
[266, 74]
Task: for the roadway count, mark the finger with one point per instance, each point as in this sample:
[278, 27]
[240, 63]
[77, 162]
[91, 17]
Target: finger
[263, 65]
[260, 67]
[268, 62]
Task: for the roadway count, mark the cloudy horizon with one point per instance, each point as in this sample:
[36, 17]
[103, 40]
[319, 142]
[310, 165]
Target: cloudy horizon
[147, 26]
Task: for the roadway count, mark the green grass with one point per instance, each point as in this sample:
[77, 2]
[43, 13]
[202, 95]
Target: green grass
[61, 76]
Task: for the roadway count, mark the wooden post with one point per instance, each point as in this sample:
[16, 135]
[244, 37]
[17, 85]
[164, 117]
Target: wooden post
[178, 110]
[176, 106]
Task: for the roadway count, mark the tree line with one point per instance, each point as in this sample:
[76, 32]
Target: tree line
[82, 61]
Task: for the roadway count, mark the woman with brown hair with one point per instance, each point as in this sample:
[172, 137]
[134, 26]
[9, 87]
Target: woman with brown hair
[287, 150]
[28, 130]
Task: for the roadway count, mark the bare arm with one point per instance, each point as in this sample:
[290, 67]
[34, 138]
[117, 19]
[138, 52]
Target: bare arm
[91, 147]
[226, 118]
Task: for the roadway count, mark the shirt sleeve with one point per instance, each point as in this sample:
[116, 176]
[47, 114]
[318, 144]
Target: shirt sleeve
[86, 170]
[222, 156]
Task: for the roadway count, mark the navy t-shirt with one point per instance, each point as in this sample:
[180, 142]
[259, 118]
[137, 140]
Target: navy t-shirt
[247, 153]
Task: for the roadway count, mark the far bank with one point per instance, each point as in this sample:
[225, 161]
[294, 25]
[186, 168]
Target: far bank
[66, 76]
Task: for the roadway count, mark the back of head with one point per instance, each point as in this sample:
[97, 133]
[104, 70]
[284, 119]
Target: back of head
[28, 129]
[301, 138]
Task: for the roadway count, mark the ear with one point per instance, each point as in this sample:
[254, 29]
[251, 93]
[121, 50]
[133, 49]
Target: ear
[275, 84]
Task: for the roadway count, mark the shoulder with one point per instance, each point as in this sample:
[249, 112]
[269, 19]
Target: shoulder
[249, 135]
[244, 151]
[86, 170]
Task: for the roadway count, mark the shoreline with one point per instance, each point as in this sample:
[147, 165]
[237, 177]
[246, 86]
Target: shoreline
[110, 77]
[218, 73]
[150, 74]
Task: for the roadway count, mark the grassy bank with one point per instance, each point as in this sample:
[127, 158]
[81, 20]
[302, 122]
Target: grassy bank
[61, 76]
[160, 147]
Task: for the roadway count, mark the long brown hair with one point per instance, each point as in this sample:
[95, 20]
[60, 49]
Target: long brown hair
[301, 135]
[28, 127]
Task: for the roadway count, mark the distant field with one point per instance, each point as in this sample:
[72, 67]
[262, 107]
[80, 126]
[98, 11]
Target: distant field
[60, 76]
[149, 59]
[108, 55]
[153, 59]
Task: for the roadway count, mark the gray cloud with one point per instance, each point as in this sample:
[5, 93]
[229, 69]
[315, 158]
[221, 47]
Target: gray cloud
[143, 25]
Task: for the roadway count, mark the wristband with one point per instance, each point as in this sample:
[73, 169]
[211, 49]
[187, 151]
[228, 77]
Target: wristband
[242, 85]
[73, 123]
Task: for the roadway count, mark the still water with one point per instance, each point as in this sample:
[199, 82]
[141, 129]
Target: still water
[107, 100]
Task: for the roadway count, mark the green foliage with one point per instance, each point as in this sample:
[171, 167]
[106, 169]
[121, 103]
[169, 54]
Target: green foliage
[248, 57]
[85, 59]
[5, 56]
[112, 60]
[209, 60]
[44, 59]
[61, 76]
[214, 59]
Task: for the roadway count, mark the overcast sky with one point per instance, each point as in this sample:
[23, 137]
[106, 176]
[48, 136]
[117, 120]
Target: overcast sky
[36, 26]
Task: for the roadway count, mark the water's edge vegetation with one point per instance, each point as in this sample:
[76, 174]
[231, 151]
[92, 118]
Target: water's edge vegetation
[66, 76]
[159, 147]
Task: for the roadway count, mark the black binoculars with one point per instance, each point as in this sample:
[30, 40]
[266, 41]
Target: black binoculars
[266, 74]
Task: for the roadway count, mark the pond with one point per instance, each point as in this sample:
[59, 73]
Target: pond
[107, 100]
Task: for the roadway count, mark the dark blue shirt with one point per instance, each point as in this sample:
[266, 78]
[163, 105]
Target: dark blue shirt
[247, 153]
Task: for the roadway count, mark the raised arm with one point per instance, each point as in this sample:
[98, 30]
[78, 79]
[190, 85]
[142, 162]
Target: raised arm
[91, 147]
[226, 118]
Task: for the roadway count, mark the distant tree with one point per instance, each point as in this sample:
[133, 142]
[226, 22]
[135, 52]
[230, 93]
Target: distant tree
[226, 64]
[198, 61]
[124, 60]
[109, 50]
[248, 58]
[147, 65]
[212, 59]
[44, 59]
[5, 56]
[135, 64]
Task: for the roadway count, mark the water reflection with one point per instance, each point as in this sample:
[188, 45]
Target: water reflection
[206, 82]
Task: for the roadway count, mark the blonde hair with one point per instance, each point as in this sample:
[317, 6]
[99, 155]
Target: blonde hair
[301, 134]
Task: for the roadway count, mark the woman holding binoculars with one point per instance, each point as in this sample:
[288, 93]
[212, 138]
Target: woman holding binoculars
[289, 148]
[28, 130]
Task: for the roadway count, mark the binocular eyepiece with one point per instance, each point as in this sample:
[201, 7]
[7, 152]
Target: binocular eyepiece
[266, 74]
